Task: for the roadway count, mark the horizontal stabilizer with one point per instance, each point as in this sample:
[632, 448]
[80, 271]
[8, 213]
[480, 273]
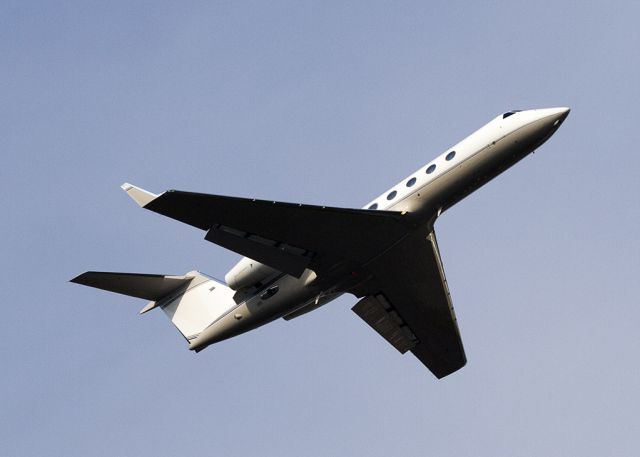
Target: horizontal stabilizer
[192, 302]
[150, 287]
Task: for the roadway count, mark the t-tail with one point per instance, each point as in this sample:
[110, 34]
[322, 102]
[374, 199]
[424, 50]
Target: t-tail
[192, 302]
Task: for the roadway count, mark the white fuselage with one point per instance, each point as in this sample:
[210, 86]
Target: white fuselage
[424, 195]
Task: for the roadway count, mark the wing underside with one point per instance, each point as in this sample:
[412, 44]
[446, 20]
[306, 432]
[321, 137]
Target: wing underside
[286, 236]
[408, 303]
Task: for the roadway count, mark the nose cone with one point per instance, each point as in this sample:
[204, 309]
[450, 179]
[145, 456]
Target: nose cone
[563, 113]
[531, 128]
[547, 120]
[552, 117]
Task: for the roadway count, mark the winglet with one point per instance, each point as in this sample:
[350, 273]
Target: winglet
[149, 307]
[140, 196]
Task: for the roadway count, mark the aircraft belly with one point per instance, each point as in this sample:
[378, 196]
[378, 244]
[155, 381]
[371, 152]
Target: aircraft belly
[256, 312]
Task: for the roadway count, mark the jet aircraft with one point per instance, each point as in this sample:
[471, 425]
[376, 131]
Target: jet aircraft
[299, 257]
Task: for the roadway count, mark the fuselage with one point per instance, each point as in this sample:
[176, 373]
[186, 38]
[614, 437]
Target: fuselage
[423, 196]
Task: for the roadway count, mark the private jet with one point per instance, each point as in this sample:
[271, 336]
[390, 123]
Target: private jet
[300, 257]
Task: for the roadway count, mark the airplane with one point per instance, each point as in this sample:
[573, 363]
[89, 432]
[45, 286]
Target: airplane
[300, 257]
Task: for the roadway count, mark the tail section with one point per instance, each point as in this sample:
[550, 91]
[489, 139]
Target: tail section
[150, 287]
[192, 302]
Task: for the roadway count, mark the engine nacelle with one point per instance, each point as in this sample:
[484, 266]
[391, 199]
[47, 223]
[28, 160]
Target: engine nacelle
[247, 273]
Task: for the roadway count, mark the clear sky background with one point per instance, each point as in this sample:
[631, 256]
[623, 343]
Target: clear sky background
[323, 103]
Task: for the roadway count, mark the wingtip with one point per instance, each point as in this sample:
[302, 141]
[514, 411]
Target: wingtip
[140, 196]
[77, 279]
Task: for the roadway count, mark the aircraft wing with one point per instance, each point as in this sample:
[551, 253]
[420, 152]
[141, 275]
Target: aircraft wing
[285, 236]
[408, 303]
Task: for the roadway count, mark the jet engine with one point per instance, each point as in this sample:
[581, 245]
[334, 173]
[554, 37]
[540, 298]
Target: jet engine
[248, 273]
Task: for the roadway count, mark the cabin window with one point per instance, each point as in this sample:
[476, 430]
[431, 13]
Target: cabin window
[374, 206]
[392, 195]
[451, 155]
[411, 182]
[431, 168]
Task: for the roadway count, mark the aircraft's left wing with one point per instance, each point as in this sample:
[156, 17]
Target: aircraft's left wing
[407, 302]
[285, 236]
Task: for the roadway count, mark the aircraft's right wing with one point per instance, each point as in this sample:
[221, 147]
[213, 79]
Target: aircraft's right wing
[286, 236]
[408, 303]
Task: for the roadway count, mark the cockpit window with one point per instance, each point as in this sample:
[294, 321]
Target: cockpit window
[510, 113]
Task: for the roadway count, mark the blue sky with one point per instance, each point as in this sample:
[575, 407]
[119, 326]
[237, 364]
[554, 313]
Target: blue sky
[328, 103]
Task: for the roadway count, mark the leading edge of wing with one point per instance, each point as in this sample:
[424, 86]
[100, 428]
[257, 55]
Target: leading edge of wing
[187, 206]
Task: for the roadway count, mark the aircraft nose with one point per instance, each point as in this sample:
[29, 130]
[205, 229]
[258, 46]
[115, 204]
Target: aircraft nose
[553, 117]
[542, 124]
[561, 113]
[547, 120]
